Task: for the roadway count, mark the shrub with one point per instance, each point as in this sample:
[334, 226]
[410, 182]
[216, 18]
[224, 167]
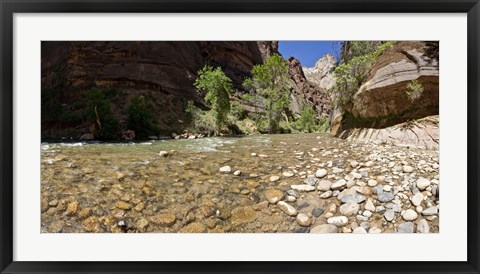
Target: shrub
[205, 123]
[98, 112]
[324, 124]
[307, 121]
[140, 118]
[414, 90]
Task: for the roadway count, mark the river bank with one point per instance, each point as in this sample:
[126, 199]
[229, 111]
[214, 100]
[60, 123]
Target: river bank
[260, 183]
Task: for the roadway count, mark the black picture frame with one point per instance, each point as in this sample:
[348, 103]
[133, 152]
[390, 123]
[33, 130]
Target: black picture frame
[9, 7]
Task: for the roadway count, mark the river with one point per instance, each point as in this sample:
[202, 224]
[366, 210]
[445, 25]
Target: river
[129, 187]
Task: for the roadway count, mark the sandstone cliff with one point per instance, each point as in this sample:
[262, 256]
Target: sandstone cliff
[313, 94]
[322, 73]
[382, 100]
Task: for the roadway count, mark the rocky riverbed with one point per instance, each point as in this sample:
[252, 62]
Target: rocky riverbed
[263, 183]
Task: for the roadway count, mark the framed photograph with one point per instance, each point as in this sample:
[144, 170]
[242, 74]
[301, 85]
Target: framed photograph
[239, 136]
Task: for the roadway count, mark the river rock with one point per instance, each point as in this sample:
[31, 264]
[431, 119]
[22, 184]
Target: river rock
[422, 183]
[354, 164]
[87, 137]
[91, 224]
[375, 230]
[306, 188]
[274, 178]
[273, 195]
[356, 175]
[195, 227]
[338, 221]
[422, 226]
[317, 212]
[123, 205]
[141, 224]
[349, 209]
[243, 215]
[346, 192]
[359, 230]
[337, 170]
[237, 173]
[405, 227]
[85, 212]
[303, 219]
[165, 219]
[369, 205]
[290, 199]
[385, 197]
[407, 169]
[288, 209]
[225, 169]
[356, 198]
[292, 193]
[326, 194]
[288, 174]
[53, 203]
[163, 153]
[311, 181]
[372, 182]
[378, 189]
[325, 228]
[417, 199]
[324, 185]
[409, 215]
[430, 211]
[340, 184]
[389, 215]
[321, 173]
[72, 208]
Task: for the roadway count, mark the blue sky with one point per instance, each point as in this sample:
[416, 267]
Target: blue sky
[308, 52]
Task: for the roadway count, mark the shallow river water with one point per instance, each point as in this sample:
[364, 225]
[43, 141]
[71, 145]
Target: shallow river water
[129, 187]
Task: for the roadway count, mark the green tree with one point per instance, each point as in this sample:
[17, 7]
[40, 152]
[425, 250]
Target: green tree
[99, 113]
[140, 118]
[217, 88]
[307, 121]
[350, 75]
[270, 83]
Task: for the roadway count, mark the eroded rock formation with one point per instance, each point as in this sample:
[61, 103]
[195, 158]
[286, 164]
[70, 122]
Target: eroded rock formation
[309, 91]
[422, 133]
[382, 100]
[162, 71]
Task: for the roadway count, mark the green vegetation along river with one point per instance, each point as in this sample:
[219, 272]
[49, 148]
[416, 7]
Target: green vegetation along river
[260, 183]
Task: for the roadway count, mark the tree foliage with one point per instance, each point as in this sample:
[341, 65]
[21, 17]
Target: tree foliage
[217, 88]
[140, 118]
[269, 86]
[99, 113]
[350, 74]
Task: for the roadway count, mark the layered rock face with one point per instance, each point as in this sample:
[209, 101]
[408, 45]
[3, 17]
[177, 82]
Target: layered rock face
[312, 93]
[382, 100]
[322, 73]
[164, 70]
[422, 133]
[164, 67]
